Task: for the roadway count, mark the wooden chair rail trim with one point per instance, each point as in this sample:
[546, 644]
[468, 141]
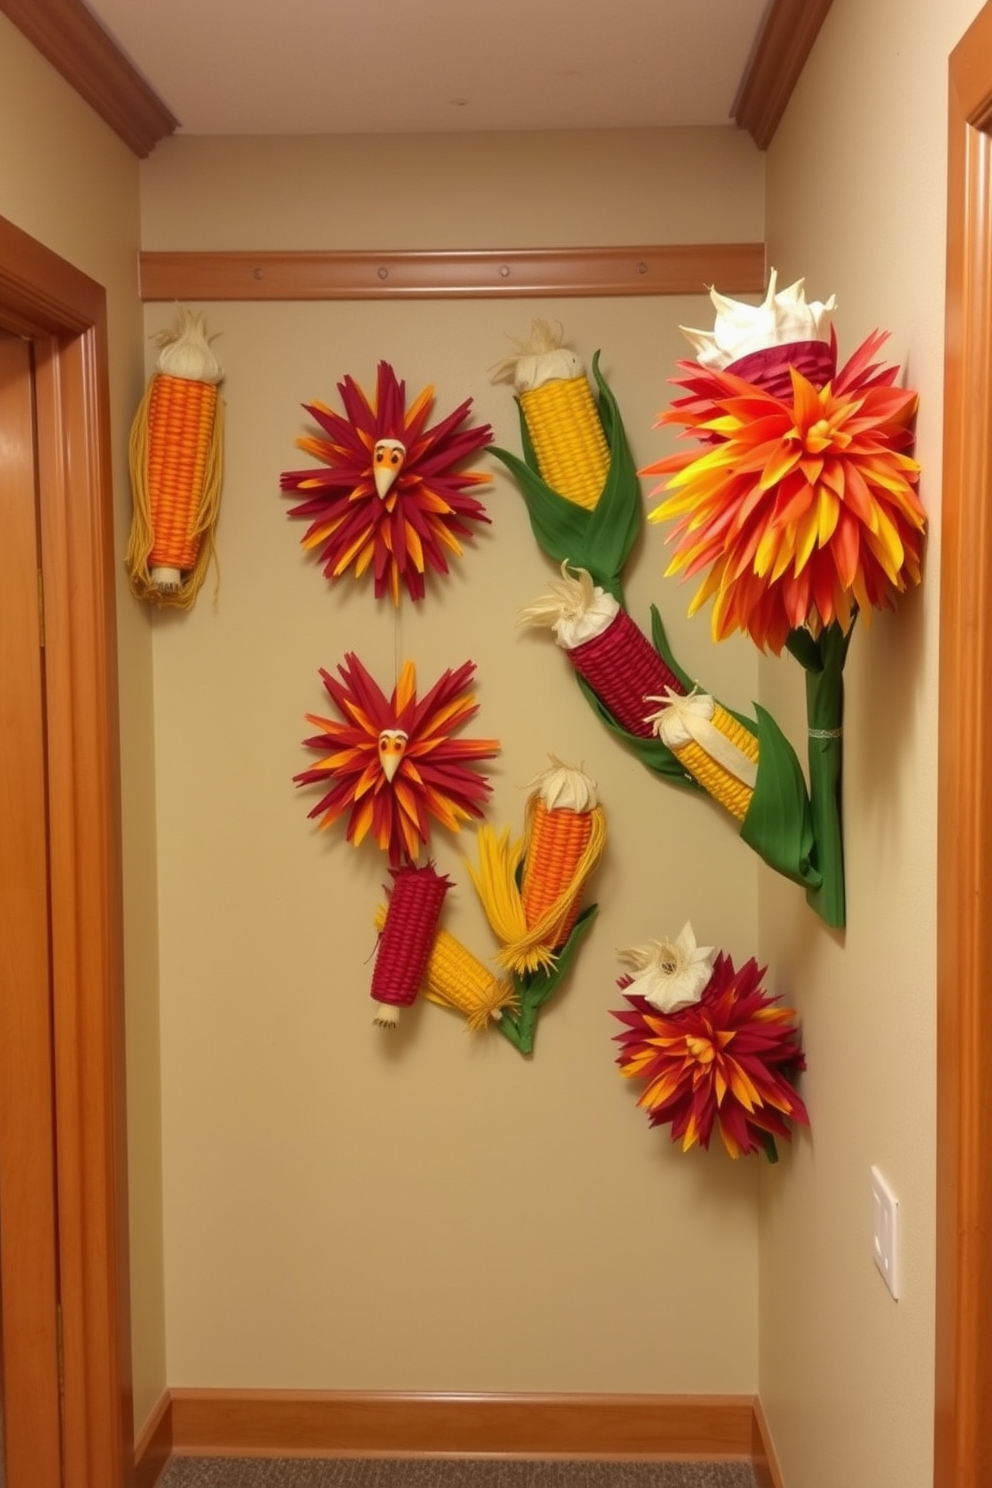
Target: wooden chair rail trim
[689, 268]
[343, 1423]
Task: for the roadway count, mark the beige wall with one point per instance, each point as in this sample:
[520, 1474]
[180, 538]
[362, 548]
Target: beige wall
[344, 1209]
[856, 202]
[70, 183]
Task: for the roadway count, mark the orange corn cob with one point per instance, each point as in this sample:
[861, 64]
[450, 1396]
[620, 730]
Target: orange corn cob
[181, 415]
[564, 838]
[556, 845]
[176, 457]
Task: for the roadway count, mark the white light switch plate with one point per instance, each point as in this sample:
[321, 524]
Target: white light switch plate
[885, 1231]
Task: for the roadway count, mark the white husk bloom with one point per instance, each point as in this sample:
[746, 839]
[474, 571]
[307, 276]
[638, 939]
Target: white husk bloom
[541, 359]
[186, 349]
[565, 787]
[574, 608]
[670, 974]
[740, 329]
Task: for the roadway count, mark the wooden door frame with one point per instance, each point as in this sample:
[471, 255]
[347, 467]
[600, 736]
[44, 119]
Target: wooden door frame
[962, 1419]
[63, 311]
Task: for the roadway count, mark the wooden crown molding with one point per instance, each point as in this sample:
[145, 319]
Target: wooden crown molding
[739, 268]
[787, 36]
[76, 45]
[74, 42]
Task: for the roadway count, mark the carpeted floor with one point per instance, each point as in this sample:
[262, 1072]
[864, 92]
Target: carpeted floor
[227, 1472]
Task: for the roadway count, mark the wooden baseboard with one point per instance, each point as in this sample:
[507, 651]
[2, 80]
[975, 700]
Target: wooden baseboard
[763, 1458]
[346, 1423]
[153, 1447]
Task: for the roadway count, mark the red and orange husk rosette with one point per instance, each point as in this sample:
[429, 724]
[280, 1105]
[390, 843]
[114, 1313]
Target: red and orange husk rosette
[412, 914]
[391, 495]
[726, 1063]
[801, 510]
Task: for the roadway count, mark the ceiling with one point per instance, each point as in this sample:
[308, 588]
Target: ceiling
[340, 67]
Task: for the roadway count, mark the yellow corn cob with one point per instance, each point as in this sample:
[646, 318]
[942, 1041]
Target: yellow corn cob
[567, 434]
[456, 979]
[718, 782]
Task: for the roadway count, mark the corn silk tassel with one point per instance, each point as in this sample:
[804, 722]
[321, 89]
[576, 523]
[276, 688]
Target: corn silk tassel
[577, 476]
[412, 914]
[715, 1052]
[455, 978]
[531, 889]
[176, 462]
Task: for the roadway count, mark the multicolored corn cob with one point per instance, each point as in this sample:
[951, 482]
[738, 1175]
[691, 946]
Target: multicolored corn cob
[176, 459]
[715, 747]
[562, 419]
[408, 933]
[564, 836]
[605, 646]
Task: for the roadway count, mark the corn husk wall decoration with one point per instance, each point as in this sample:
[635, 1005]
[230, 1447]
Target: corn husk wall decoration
[628, 679]
[577, 475]
[393, 764]
[716, 1054]
[408, 933]
[176, 461]
[391, 495]
[531, 890]
[801, 509]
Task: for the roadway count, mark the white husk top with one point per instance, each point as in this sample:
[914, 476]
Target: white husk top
[574, 608]
[565, 786]
[780, 318]
[186, 349]
[541, 359]
[670, 974]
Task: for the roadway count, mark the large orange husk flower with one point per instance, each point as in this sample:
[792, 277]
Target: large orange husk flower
[726, 1062]
[801, 509]
[392, 763]
[394, 496]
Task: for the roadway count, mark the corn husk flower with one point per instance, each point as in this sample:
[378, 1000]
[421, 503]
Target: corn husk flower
[725, 1064]
[408, 932]
[669, 974]
[176, 456]
[531, 889]
[801, 511]
[392, 764]
[394, 497]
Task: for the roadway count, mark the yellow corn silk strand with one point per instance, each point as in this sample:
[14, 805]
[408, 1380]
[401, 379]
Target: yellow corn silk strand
[567, 434]
[723, 783]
